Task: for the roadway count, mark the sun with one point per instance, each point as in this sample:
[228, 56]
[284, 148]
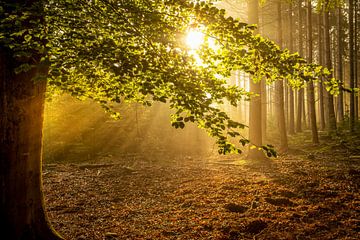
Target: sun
[194, 39]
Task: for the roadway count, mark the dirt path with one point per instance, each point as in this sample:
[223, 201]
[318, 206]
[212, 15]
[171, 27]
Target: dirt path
[302, 197]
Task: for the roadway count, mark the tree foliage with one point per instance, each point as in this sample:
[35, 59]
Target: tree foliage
[134, 50]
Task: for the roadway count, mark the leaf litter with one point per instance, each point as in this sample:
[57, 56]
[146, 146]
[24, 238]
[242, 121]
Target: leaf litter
[291, 197]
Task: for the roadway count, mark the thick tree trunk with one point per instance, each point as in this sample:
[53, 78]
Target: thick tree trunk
[310, 85]
[21, 105]
[255, 116]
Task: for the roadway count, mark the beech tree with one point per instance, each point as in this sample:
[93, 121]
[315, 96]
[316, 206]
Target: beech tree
[352, 66]
[113, 51]
[331, 120]
[255, 112]
[310, 84]
[279, 88]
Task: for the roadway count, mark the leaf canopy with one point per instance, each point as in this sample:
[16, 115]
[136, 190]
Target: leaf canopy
[134, 50]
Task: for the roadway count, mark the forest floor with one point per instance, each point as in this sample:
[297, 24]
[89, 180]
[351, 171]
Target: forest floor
[311, 193]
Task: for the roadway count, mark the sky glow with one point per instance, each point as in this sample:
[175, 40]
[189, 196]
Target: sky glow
[194, 39]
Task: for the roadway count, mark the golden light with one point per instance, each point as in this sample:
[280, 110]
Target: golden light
[194, 39]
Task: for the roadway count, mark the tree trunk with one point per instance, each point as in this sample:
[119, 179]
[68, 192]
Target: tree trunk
[280, 92]
[330, 99]
[255, 128]
[263, 110]
[291, 91]
[22, 213]
[21, 121]
[310, 84]
[300, 101]
[320, 84]
[352, 66]
[264, 102]
[356, 49]
[340, 98]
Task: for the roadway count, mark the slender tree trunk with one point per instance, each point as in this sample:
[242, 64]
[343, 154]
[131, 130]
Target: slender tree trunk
[310, 85]
[263, 94]
[330, 99]
[300, 105]
[340, 109]
[255, 128]
[291, 91]
[352, 69]
[356, 83]
[263, 109]
[280, 91]
[320, 84]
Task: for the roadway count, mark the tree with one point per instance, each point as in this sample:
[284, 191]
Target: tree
[340, 110]
[291, 91]
[255, 114]
[310, 85]
[352, 66]
[321, 62]
[22, 105]
[300, 102]
[111, 52]
[280, 90]
[330, 100]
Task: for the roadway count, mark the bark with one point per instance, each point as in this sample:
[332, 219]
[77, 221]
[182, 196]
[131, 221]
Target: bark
[340, 109]
[22, 213]
[280, 92]
[264, 101]
[22, 105]
[291, 91]
[330, 99]
[352, 65]
[310, 85]
[320, 84]
[356, 79]
[255, 128]
[300, 100]
[263, 110]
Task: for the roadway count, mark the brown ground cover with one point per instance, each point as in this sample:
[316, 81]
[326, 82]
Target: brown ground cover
[301, 195]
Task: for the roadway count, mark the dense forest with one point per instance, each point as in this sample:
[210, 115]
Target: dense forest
[185, 119]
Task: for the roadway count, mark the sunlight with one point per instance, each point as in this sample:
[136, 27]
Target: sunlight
[194, 39]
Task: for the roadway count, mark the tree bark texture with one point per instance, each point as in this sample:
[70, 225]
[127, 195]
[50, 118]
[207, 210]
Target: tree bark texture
[22, 213]
[352, 65]
[255, 116]
[310, 84]
[340, 109]
[291, 91]
[356, 49]
[21, 105]
[330, 99]
[300, 95]
[320, 83]
[279, 86]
